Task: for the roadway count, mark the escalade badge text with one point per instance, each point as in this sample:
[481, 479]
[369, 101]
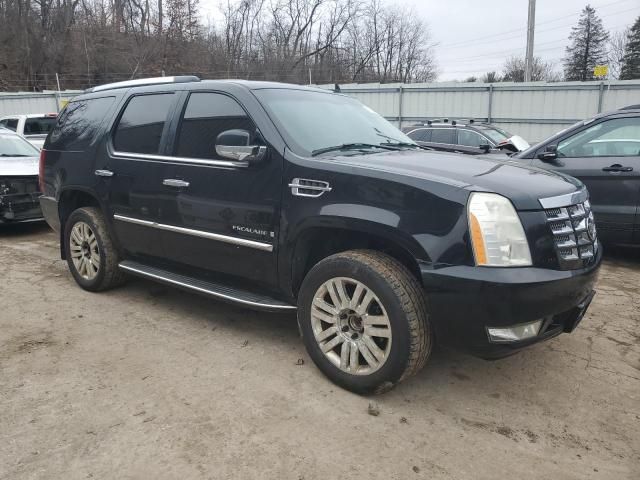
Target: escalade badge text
[253, 231]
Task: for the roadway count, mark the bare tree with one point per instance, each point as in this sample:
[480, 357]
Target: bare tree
[513, 70]
[617, 46]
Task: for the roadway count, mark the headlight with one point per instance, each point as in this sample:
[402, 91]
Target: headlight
[497, 235]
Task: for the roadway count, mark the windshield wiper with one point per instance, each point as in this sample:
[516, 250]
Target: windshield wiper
[15, 155]
[351, 146]
[391, 141]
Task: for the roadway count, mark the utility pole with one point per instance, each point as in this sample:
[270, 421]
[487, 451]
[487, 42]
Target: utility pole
[531, 26]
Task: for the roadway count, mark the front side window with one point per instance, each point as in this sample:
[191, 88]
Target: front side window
[619, 137]
[312, 121]
[469, 138]
[77, 125]
[140, 127]
[443, 135]
[206, 116]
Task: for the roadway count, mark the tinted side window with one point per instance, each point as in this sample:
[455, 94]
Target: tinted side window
[443, 135]
[140, 127]
[39, 126]
[206, 116]
[77, 125]
[421, 135]
[12, 124]
[470, 139]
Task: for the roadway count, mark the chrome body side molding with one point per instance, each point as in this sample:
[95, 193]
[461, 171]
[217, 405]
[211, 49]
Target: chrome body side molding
[243, 242]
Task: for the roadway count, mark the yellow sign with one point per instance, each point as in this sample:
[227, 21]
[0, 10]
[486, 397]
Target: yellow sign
[601, 70]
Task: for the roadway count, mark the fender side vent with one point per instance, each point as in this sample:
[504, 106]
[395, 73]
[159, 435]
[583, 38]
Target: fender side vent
[303, 187]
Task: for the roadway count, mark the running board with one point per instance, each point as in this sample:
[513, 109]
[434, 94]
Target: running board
[212, 289]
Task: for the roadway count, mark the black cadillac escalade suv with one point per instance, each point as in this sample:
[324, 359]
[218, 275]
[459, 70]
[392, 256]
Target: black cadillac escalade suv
[281, 197]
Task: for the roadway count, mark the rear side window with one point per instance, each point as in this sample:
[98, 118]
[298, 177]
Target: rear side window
[140, 127]
[443, 135]
[39, 125]
[206, 116]
[76, 127]
[421, 135]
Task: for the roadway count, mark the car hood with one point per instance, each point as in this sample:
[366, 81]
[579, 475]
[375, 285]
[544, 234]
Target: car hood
[18, 166]
[523, 185]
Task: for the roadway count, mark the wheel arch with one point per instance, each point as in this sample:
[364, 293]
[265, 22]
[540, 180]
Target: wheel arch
[69, 200]
[320, 240]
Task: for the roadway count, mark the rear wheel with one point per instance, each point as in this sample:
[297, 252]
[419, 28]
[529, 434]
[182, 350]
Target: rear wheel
[91, 254]
[364, 320]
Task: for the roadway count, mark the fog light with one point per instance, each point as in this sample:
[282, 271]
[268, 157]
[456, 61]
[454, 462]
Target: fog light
[514, 333]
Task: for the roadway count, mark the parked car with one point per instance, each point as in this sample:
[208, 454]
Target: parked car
[604, 153]
[34, 127]
[471, 137]
[19, 191]
[283, 197]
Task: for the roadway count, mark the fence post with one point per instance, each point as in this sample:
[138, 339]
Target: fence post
[400, 91]
[490, 106]
[600, 96]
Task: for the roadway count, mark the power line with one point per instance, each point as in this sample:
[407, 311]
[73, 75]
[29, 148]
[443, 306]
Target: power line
[475, 41]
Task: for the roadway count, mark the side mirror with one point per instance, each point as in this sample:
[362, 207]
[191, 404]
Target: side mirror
[485, 147]
[550, 153]
[234, 145]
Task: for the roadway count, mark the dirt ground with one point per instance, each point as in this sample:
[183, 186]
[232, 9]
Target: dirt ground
[148, 382]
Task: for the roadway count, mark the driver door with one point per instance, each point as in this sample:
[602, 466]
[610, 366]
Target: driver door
[224, 215]
[606, 157]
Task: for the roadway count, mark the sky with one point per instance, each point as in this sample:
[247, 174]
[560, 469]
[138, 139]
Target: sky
[472, 37]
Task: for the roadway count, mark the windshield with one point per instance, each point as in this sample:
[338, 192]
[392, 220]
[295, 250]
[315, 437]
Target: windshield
[496, 134]
[16, 146]
[314, 121]
[39, 125]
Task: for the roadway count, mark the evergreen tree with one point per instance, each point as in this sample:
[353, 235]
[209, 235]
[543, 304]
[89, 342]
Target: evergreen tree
[588, 46]
[631, 59]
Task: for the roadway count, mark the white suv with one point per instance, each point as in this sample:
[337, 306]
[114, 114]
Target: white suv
[34, 127]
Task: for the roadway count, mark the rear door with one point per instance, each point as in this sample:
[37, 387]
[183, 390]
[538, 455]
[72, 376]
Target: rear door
[134, 169]
[224, 214]
[606, 157]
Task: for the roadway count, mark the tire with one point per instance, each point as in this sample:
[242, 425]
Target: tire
[90, 251]
[369, 297]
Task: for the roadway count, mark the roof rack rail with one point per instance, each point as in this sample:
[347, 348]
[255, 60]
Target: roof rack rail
[143, 81]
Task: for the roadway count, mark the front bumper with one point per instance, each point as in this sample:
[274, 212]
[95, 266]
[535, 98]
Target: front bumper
[465, 301]
[22, 207]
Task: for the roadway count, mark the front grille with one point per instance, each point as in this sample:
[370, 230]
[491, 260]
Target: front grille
[18, 185]
[574, 234]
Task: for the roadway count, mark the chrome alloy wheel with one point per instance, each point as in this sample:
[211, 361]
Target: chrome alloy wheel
[85, 252]
[351, 326]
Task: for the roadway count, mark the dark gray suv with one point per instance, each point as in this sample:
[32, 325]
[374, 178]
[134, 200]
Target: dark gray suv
[603, 152]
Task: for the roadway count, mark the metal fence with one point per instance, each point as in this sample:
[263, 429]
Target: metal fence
[532, 110]
[34, 102]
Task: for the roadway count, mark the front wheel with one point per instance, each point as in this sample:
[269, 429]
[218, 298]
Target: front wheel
[364, 321]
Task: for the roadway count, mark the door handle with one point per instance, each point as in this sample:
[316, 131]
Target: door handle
[174, 182]
[616, 167]
[104, 173]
